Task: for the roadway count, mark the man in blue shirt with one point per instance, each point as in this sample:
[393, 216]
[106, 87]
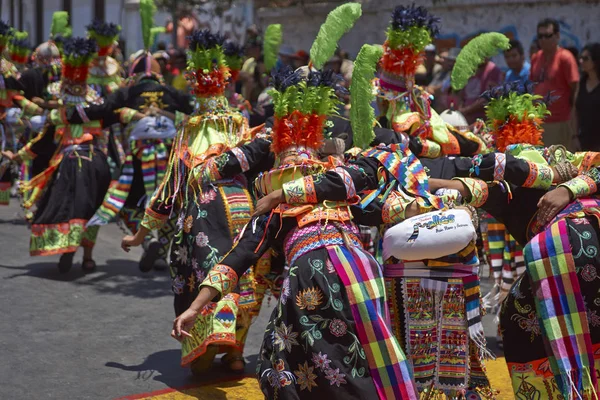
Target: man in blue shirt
[517, 64]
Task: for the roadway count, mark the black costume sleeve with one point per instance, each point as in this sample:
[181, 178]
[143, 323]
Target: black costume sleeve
[252, 244]
[105, 111]
[492, 167]
[339, 184]
[238, 160]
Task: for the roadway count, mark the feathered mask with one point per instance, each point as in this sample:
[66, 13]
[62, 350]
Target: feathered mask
[301, 105]
[207, 68]
[515, 114]
[77, 55]
[19, 48]
[105, 34]
[234, 57]
[411, 29]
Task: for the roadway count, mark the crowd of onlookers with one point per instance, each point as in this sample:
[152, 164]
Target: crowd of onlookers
[565, 76]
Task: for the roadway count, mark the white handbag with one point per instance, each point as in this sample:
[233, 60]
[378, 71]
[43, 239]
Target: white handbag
[429, 236]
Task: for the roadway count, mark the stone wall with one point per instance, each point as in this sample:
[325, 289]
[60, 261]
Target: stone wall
[461, 19]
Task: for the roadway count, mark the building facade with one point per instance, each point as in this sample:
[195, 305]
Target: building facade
[35, 17]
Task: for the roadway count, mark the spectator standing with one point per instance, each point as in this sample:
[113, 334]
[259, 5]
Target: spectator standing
[471, 105]
[430, 67]
[555, 71]
[518, 66]
[440, 85]
[588, 98]
[253, 52]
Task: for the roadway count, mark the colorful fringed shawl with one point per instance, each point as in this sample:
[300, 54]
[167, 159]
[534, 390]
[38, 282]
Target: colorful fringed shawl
[561, 310]
[153, 156]
[407, 170]
[390, 370]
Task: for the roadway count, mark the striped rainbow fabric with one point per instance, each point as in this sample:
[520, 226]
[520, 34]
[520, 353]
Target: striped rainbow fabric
[365, 287]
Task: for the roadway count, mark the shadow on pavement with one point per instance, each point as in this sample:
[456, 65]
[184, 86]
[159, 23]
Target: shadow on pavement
[114, 277]
[164, 366]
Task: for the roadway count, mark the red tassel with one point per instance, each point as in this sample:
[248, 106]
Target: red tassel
[210, 84]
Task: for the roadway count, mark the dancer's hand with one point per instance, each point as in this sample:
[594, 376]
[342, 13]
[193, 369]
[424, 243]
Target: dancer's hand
[184, 323]
[134, 241]
[12, 156]
[552, 203]
[8, 154]
[269, 202]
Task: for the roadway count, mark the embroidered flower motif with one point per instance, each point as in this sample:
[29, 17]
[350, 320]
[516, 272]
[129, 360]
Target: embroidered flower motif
[178, 284]
[321, 361]
[285, 338]
[589, 273]
[207, 196]
[593, 318]
[330, 267]
[337, 327]
[278, 377]
[285, 290]
[188, 224]
[335, 377]
[309, 298]
[528, 324]
[201, 239]
[200, 273]
[182, 255]
[306, 377]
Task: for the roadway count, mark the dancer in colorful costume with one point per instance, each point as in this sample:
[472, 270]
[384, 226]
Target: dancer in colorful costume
[148, 144]
[550, 346]
[12, 104]
[36, 82]
[317, 342]
[551, 334]
[405, 107]
[438, 345]
[208, 215]
[106, 77]
[72, 187]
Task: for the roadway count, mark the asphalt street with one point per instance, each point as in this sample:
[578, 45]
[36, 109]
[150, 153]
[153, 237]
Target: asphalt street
[100, 335]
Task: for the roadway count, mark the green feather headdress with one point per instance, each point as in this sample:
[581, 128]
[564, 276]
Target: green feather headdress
[474, 53]
[271, 45]
[104, 33]
[338, 22]
[362, 115]
[301, 105]
[147, 11]
[19, 47]
[60, 25]
[206, 51]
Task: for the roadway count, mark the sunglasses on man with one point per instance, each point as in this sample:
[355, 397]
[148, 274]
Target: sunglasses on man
[545, 35]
